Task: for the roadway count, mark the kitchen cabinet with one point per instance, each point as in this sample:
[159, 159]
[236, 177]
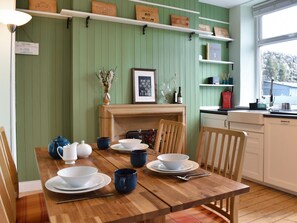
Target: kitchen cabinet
[253, 124]
[281, 153]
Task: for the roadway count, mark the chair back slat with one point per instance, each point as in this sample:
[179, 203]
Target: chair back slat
[170, 137]
[7, 191]
[9, 161]
[221, 151]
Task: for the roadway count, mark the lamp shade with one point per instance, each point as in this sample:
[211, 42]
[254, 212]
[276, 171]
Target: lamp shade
[14, 17]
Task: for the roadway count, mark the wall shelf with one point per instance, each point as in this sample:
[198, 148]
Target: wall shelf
[219, 38]
[214, 20]
[216, 85]
[45, 14]
[144, 24]
[215, 61]
[165, 6]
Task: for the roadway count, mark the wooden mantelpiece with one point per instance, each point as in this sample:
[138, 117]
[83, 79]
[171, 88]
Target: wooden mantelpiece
[116, 120]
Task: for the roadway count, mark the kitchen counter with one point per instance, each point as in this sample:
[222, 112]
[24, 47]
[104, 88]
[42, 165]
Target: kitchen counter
[268, 115]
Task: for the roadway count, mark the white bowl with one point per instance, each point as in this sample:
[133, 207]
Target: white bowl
[129, 143]
[173, 161]
[77, 176]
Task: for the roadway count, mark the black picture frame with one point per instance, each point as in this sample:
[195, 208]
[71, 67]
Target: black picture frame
[144, 86]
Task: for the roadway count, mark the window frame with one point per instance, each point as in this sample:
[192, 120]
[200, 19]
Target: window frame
[264, 42]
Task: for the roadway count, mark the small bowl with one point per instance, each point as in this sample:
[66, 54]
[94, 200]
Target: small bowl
[129, 143]
[173, 161]
[77, 176]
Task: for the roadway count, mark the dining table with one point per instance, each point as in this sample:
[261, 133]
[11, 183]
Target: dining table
[155, 195]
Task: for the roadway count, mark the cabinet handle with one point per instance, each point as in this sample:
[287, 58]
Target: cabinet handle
[285, 122]
[226, 123]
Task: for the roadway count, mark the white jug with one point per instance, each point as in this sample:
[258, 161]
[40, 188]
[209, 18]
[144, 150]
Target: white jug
[69, 153]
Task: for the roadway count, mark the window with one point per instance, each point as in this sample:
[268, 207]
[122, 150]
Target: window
[277, 52]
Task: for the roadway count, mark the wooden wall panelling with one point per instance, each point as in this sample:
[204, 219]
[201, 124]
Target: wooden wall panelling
[42, 90]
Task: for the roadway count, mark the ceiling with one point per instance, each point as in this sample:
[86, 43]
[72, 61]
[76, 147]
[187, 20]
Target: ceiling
[225, 3]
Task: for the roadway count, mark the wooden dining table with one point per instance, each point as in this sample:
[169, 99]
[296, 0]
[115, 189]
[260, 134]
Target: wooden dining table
[155, 195]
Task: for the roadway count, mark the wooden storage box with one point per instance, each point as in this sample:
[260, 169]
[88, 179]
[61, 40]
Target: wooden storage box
[43, 5]
[181, 21]
[146, 13]
[103, 8]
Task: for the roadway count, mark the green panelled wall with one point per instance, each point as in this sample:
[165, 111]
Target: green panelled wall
[210, 96]
[59, 94]
[43, 90]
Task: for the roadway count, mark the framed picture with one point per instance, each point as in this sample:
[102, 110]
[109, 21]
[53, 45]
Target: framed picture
[146, 13]
[144, 85]
[203, 27]
[181, 21]
[218, 31]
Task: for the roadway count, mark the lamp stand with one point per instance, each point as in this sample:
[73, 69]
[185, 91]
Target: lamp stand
[12, 29]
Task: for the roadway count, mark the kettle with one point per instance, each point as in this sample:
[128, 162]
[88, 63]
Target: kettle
[54, 144]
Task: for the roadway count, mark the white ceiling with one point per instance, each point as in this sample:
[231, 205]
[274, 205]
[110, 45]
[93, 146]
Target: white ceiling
[225, 3]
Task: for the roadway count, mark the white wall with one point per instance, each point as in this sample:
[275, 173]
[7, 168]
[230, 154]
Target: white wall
[243, 53]
[5, 71]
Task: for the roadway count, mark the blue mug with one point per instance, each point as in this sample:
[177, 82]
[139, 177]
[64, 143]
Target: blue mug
[125, 180]
[138, 158]
[103, 142]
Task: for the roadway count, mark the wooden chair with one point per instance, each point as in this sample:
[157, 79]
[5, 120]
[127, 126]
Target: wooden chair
[9, 161]
[170, 137]
[220, 151]
[29, 208]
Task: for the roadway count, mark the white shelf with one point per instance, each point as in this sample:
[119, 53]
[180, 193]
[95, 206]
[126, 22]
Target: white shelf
[85, 15]
[214, 20]
[219, 38]
[215, 61]
[164, 6]
[216, 85]
[45, 14]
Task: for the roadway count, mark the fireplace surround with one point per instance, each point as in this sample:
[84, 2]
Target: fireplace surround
[116, 120]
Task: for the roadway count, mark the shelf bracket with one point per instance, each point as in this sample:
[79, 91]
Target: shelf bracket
[144, 29]
[68, 22]
[190, 35]
[227, 44]
[232, 66]
[87, 21]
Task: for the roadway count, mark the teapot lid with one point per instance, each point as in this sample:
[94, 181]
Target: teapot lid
[60, 139]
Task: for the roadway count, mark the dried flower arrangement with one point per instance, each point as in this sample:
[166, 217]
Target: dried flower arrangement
[106, 77]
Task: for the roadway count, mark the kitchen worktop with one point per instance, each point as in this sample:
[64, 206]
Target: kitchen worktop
[245, 109]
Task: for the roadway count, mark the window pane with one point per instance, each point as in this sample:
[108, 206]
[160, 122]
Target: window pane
[279, 61]
[279, 23]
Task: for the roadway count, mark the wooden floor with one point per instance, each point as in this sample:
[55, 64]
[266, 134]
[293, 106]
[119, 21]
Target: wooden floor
[264, 205]
[261, 205]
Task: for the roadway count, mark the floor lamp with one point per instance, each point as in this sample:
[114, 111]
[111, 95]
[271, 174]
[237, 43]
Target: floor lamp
[13, 19]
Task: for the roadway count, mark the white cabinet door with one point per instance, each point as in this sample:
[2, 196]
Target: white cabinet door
[214, 120]
[253, 157]
[281, 153]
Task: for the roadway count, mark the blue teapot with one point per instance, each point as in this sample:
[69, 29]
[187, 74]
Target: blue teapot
[54, 144]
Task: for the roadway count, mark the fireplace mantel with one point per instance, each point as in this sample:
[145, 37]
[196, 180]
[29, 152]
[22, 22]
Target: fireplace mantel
[116, 120]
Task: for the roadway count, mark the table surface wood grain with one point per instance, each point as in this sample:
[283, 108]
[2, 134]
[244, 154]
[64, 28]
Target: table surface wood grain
[155, 195]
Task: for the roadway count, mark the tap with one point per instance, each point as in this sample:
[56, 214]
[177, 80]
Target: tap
[271, 93]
